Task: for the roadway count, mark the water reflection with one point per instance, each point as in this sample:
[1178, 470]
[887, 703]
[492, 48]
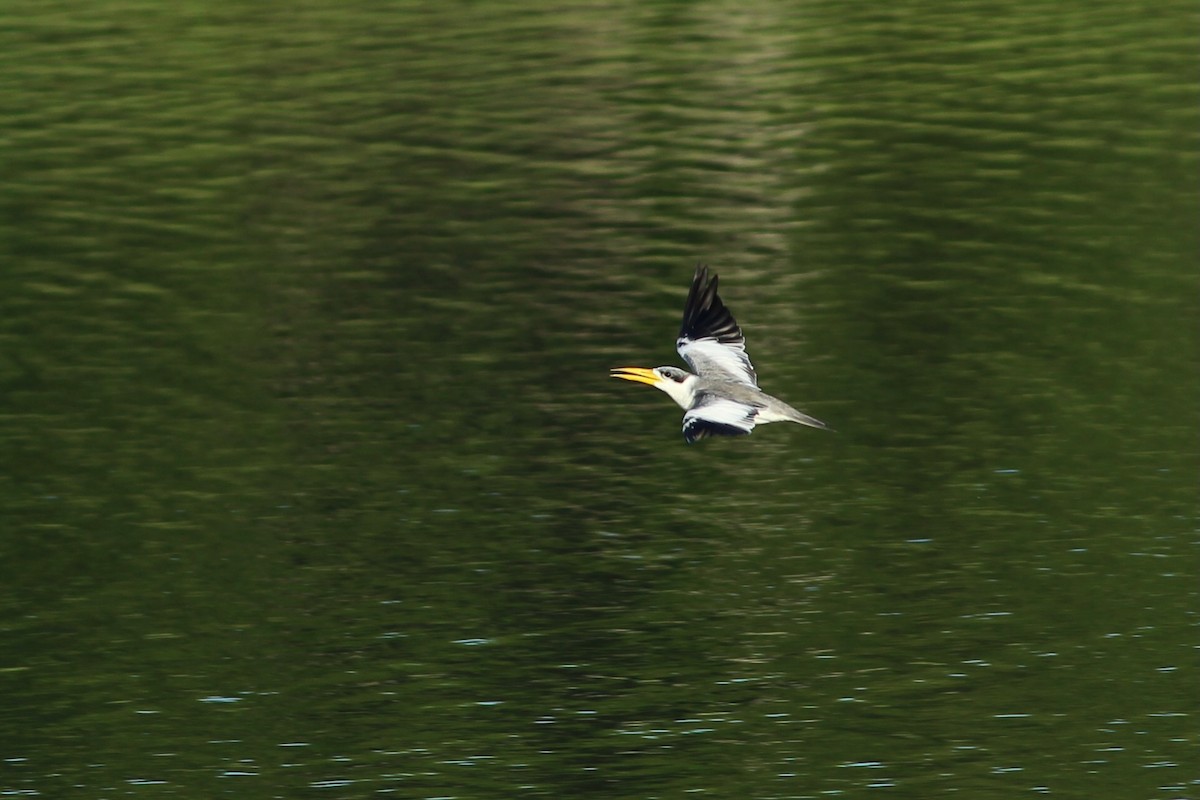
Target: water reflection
[316, 482]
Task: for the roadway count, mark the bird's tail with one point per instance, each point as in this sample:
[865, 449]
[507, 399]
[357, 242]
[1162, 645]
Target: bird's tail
[805, 419]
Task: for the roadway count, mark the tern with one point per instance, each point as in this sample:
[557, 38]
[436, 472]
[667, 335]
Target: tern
[722, 398]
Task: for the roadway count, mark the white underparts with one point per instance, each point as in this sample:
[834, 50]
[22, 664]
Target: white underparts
[682, 393]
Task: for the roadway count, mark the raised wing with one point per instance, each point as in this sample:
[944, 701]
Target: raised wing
[710, 340]
[718, 416]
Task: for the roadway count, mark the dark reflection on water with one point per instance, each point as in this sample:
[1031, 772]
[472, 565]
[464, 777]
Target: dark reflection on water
[315, 483]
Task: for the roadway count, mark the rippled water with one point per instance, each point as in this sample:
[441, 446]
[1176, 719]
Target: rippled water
[315, 484]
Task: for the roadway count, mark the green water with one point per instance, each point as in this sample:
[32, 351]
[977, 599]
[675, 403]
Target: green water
[314, 483]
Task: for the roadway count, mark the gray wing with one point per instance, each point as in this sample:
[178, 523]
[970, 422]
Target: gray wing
[718, 416]
[710, 340]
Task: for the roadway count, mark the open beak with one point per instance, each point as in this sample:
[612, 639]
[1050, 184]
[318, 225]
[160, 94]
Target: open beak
[636, 374]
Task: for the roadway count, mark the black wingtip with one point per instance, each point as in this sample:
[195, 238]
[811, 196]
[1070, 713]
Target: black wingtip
[704, 315]
[696, 429]
[699, 289]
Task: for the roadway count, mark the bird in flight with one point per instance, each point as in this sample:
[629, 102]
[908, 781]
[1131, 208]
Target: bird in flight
[722, 398]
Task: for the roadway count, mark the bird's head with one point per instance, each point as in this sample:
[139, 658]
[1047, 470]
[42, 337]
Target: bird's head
[672, 380]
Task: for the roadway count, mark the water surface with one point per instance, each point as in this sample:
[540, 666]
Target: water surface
[315, 484]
